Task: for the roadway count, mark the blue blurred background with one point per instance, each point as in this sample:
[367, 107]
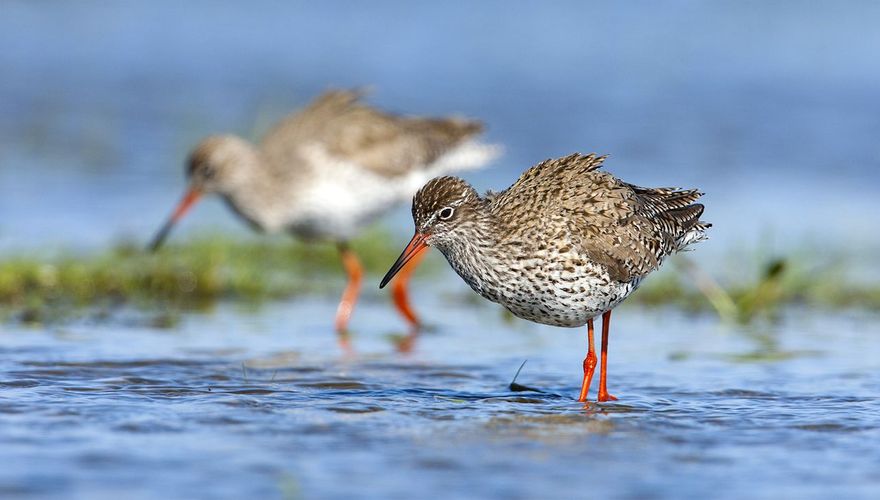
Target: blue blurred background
[772, 108]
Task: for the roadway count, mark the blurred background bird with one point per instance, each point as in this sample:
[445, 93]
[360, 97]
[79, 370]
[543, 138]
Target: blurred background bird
[329, 170]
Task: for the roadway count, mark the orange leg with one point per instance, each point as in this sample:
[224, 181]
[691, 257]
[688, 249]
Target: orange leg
[349, 296]
[589, 364]
[603, 388]
[401, 301]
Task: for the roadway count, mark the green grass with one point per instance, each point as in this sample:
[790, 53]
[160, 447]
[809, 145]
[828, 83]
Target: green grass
[189, 275]
[204, 270]
[759, 286]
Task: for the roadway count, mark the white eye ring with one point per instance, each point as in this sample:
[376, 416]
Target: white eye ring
[446, 213]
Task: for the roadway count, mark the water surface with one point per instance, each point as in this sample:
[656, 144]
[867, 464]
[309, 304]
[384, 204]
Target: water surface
[233, 404]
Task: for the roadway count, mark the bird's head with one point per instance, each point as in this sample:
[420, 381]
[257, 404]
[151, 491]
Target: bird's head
[443, 211]
[218, 164]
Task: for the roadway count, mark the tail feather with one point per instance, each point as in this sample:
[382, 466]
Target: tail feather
[695, 234]
[659, 200]
[676, 213]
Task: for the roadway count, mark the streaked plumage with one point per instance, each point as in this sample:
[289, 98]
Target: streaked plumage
[562, 245]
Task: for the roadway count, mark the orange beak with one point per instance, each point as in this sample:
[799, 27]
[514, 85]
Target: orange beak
[416, 245]
[189, 199]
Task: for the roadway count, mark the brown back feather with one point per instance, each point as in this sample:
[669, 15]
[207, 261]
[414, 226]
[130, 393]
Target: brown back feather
[626, 229]
[347, 129]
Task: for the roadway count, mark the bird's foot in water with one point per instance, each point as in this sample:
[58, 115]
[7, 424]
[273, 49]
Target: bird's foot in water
[604, 397]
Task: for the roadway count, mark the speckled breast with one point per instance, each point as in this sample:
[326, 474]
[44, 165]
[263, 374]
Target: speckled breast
[543, 289]
[566, 299]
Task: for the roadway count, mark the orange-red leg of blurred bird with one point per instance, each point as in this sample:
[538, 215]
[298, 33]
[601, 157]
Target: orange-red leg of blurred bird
[603, 388]
[589, 363]
[349, 296]
[401, 302]
[401, 299]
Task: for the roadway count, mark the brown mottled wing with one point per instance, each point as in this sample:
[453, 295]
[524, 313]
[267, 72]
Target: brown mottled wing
[351, 131]
[626, 229]
[649, 225]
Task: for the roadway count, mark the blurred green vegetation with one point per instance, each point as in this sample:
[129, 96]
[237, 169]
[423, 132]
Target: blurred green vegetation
[759, 286]
[190, 275]
[200, 272]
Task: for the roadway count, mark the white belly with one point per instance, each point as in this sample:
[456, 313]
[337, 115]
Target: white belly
[343, 197]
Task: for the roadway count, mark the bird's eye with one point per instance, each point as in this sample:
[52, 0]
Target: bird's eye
[446, 213]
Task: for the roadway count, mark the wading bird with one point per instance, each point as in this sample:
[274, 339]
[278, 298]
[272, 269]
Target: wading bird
[564, 244]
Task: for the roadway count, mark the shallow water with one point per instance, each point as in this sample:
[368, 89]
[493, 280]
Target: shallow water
[234, 404]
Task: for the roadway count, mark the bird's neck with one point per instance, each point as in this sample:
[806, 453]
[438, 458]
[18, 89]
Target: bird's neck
[255, 196]
[472, 253]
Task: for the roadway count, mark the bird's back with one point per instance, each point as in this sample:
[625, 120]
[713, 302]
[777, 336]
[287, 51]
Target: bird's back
[347, 130]
[571, 206]
[340, 164]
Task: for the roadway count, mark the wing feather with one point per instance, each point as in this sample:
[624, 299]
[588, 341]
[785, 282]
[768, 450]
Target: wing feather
[352, 132]
[625, 228]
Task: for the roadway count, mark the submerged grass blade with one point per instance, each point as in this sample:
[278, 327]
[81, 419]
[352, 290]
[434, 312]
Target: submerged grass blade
[514, 387]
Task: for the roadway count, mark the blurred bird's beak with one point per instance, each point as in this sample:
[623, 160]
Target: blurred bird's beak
[416, 245]
[189, 199]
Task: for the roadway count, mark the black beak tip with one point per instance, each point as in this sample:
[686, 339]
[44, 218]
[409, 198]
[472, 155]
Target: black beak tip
[385, 281]
[393, 271]
[405, 256]
[157, 240]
